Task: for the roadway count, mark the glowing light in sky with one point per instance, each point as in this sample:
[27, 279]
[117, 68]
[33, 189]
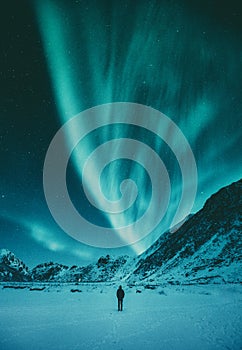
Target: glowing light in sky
[137, 115]
[93, 60]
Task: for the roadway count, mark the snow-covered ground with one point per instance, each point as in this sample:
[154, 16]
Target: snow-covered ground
[167, 318]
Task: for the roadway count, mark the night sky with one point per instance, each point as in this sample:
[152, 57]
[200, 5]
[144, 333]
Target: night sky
[59, 58]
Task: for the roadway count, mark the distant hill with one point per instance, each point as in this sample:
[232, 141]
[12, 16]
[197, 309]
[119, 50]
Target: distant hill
[106, 269]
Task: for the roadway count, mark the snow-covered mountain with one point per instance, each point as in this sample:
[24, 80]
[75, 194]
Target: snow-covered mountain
[106, 269]
[48, 272]
[207, 248]
[12, 268]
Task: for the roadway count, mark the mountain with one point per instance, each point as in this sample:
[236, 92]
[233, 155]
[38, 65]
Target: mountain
[48, 272]
[207, 248]
[106, 269]
[12, 268]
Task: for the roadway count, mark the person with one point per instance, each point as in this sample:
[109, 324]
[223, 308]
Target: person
[120, 296]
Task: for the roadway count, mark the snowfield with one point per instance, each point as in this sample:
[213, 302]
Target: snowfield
[168, 318]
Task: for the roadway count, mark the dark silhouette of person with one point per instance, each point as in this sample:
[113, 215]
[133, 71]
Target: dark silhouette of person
[120, 296]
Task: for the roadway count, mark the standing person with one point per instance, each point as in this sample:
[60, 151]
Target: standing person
[120, 296]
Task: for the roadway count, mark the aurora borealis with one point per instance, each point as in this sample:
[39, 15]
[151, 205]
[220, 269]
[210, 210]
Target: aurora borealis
[60, 58]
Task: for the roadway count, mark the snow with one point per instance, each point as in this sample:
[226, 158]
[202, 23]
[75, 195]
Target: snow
[167, 318]
[4, 252]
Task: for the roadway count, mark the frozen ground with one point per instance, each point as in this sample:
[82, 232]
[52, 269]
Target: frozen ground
[168, 318]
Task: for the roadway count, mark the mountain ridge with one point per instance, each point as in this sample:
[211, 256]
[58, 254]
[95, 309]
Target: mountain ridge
[216, 226]
[206, 248]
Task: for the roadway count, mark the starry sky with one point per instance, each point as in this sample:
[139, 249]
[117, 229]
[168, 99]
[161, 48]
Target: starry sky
[59, 58]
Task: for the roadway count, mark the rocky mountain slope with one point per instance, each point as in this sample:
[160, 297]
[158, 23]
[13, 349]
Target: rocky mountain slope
[207, 248]
[12, 268]
[106, 269]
